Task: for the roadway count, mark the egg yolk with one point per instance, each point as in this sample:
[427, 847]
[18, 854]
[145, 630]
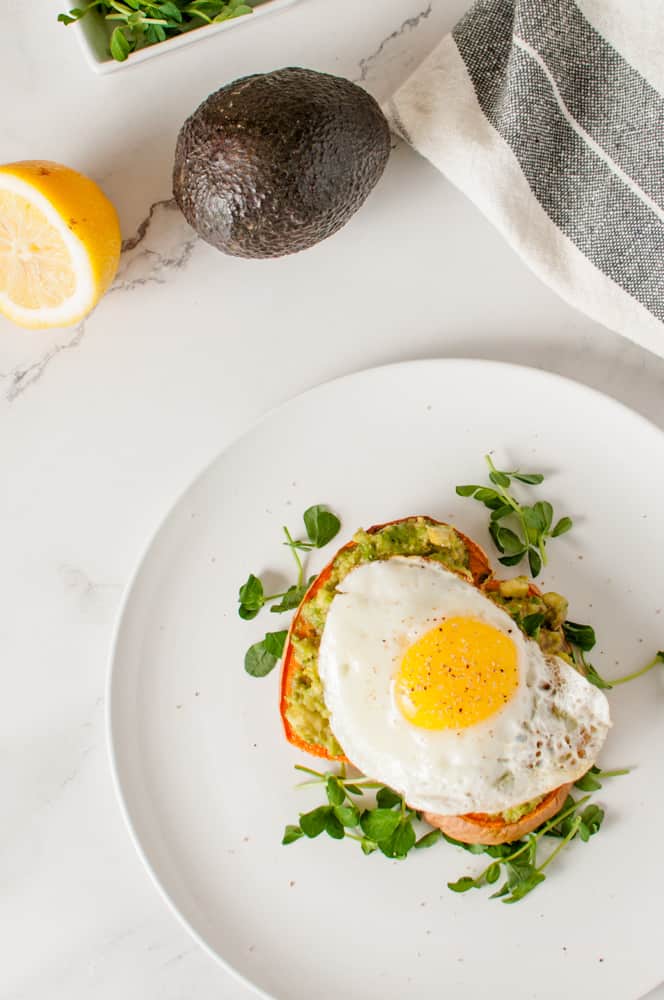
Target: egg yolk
[456, 674]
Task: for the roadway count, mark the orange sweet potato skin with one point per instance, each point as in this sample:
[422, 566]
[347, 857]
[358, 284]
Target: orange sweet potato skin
[478, 565]
[289, 667]
[478, 828]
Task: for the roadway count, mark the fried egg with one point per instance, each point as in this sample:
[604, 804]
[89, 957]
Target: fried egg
[433, 690]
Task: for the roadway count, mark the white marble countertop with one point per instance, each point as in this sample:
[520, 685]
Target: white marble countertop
[102, 426]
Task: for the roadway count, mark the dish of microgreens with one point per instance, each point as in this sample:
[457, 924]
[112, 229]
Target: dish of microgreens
[114, 30]
[364, 671]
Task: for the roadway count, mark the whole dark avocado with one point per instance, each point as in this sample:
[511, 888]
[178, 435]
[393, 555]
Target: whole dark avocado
[276, 162]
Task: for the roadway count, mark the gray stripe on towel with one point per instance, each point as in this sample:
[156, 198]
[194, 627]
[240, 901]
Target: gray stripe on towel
[611, 225]
[611, 101]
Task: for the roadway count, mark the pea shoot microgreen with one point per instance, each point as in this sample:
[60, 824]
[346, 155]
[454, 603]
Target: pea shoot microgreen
[657, 658]
[387, 826]
[263, 656]
[391, 827]
[531, 526]
[582, 636]
[520, 531]
[321, 526]
[145, 22]
[582, 639]
[590, 782]
[252, 597]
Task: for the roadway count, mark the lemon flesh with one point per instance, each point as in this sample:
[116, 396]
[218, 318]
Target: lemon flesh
[59, 244]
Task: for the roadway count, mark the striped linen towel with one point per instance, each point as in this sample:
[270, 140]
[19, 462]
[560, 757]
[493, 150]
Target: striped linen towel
[549, 114]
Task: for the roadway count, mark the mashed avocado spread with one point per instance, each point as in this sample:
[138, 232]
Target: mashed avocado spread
[516, 812]
[306, 711]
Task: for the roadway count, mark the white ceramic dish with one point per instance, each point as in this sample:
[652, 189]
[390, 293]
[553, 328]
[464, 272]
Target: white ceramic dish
[93, 35]
[206, 777]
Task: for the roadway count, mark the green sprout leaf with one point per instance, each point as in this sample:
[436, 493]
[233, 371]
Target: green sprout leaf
[321, 525]
[500, 512]
[171, 10]
[274, 642]
[120, 47]
[588, 783]
[531, 624]
[496, 850]
[263, 656]
[562, 527]
[534, 562]
[528, 528]
[512, 560]
[489, 498]
[534, 523]
[313, 823]
[292, 598]
[592, 817]
[354, 789]
[429, 839]
[347, 815]
[505, 540]
[379, 824]
[70, 18]
[402, 840]
[250, 597]
[582, 636]
[544, 512]
[499, 478]
[524, 887]
[334, 827]
[594, 678]
[492, 873]
[386, 798]
[291, 834]
[462, 884]
[530, 478]
[336, 795]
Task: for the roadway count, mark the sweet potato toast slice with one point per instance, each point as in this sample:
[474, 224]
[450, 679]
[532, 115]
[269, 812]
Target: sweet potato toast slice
[473, 828]
[478, 565]
[478, 828]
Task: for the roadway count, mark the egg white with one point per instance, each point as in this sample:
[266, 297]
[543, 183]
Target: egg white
[549, 733]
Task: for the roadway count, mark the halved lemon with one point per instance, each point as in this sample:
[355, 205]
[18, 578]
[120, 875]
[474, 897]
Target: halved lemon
[59, 244]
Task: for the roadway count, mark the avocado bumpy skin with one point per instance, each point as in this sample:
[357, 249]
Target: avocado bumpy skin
[273, 163]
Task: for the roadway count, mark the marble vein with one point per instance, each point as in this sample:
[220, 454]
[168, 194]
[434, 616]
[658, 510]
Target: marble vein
[366, 65]
[179, 956]
[74, 773]
[132, 242]
[77, 580]
[163, 243]
[23, 376]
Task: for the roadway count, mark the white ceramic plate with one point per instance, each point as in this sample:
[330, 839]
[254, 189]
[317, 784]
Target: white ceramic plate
[204, 772]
